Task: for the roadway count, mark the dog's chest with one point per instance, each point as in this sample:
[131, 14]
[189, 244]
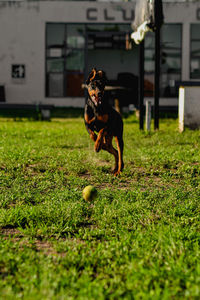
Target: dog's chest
[101, 121]
[101, 117]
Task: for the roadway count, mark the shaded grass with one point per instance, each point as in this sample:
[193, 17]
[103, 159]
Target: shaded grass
[139, 239]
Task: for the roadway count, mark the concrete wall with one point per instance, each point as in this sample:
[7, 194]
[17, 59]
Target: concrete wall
[22, 35]
[189, 107]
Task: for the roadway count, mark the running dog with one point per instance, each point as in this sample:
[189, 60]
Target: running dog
[102, 121]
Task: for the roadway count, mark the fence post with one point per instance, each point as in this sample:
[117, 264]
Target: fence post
[148, 115]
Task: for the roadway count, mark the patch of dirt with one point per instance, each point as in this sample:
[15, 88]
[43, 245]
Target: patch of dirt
[17, 236]
[43, 246]
[139, 176]
[46, 247]
[10, 232]
[85, 175]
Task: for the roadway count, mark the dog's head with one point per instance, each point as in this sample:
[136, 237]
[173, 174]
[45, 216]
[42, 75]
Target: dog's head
[95, 84]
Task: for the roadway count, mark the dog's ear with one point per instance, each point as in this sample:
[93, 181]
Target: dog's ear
[91, 75]
[102, 75]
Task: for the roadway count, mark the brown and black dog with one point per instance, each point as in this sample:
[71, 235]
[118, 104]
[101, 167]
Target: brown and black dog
[102, 121]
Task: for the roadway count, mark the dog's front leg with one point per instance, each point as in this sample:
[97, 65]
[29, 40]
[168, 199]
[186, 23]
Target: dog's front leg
[100, 138]
[99, 141]
[93, 135]
[89, 125]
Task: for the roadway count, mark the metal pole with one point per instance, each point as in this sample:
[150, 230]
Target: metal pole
[141, 85]
[148, 115]
[157, 71]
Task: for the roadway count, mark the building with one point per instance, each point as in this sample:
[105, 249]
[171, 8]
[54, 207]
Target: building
[48, 48]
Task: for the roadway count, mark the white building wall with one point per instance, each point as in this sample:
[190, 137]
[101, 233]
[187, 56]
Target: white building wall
[186, 14]
[22, 35]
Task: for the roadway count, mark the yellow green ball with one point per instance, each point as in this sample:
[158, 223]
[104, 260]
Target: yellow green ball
[89, 193]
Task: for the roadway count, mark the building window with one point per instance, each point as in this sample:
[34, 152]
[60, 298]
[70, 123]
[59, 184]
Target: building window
[195, 51]
[65, 44]
[171, 55]
[72, 50]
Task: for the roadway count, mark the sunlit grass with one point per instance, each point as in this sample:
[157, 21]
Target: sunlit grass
[138, 240]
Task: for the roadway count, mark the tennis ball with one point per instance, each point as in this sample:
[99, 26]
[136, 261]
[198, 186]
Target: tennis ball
[89, 193]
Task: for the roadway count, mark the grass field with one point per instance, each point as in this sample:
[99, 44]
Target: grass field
[139, 239]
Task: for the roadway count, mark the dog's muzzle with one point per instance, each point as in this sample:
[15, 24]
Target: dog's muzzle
[97, 100]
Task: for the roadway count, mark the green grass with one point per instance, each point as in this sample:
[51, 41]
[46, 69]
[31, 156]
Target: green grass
[139, 239]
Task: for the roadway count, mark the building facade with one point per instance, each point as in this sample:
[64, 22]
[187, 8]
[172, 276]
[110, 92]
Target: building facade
[48, 48]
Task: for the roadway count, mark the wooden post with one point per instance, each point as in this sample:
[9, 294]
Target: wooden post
[148, 115]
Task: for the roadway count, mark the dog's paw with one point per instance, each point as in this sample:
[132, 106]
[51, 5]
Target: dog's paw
[115, 170]
[117, 173]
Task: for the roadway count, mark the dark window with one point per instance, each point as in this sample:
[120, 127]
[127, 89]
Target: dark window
[65, 44]
[195, 51]
[74, 49]
[171, 55]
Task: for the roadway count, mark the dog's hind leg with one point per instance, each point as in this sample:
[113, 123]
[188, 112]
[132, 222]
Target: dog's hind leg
[120, 148]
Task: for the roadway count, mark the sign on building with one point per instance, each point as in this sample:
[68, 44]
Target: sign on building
[18, 71]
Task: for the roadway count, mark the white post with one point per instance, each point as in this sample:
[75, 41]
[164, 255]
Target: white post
[189, 108]
[181, 108]
[148, 115]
